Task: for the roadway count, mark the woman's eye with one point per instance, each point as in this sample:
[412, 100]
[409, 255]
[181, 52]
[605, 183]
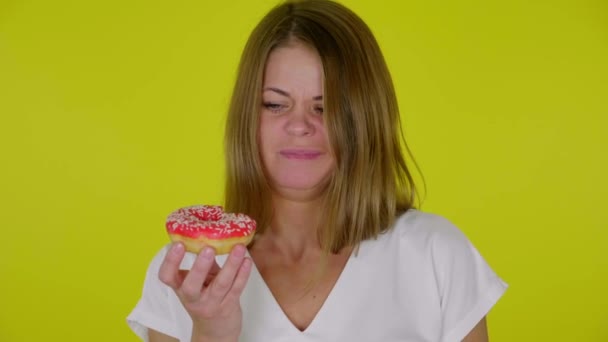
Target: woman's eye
[319, 110]
[274, 107]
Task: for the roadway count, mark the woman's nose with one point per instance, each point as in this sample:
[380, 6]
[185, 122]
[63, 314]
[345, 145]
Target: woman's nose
[299, 123]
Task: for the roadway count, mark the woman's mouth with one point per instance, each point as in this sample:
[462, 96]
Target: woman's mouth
[300, 154]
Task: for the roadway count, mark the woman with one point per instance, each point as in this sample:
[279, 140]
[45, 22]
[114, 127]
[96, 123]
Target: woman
[314, 155]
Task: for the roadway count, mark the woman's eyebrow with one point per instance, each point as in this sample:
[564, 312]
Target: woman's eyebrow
[277, 90]
[284, 93]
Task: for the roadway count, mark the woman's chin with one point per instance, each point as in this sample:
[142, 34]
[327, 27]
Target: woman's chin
[300, 189]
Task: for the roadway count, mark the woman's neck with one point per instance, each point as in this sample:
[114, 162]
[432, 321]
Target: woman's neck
[293, 229]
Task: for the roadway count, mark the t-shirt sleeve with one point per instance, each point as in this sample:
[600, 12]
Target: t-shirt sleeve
[468, 287]
[153, 310]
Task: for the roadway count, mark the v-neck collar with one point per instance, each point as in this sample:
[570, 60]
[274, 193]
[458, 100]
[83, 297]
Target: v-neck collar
[329, 306]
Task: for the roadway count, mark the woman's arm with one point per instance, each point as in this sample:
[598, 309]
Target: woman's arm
[479, 333]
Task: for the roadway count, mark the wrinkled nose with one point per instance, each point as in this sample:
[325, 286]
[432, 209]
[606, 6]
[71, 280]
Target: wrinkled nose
[299, 124]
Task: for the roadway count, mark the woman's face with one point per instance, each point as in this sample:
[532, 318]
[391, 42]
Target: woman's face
[293, 140]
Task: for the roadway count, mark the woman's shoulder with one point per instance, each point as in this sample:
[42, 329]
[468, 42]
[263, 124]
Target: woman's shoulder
[416, 223]
[426, 232]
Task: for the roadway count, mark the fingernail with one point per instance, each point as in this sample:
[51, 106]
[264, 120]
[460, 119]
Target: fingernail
[177, 248]
[238, 250]
[207, 252]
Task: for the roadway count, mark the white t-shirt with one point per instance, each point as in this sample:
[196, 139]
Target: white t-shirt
[420, 281]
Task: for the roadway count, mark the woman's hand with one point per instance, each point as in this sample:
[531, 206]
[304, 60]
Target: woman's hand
[209, 294]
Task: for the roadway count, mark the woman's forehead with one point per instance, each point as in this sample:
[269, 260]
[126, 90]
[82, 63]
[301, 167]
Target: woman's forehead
[294, 66]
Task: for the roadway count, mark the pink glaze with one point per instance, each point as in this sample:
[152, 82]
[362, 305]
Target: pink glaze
[209, 221]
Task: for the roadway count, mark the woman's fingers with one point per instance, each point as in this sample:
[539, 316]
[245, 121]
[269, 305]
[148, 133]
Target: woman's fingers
[168, 272]
[224, 280]
[215, 269]
[233, 296]
[206, 284]
[195, 280]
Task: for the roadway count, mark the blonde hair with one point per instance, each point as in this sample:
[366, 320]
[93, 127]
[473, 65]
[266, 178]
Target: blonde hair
[371, 184]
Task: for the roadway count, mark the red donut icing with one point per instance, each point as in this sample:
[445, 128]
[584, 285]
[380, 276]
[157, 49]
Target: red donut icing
[209, 221]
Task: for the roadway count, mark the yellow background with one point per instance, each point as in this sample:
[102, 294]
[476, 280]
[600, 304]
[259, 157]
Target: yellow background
[112, 115]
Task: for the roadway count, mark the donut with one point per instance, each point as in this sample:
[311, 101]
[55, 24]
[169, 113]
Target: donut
[198, 226]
